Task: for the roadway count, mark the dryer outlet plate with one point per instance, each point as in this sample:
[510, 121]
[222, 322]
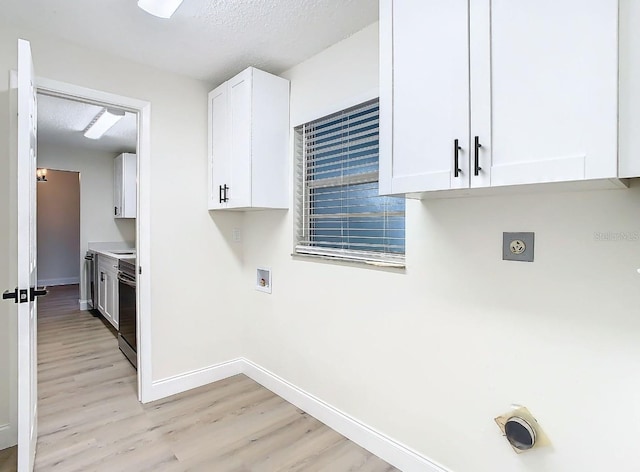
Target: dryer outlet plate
[517, 247]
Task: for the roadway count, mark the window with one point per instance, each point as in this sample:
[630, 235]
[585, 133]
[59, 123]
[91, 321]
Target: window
[339, 212]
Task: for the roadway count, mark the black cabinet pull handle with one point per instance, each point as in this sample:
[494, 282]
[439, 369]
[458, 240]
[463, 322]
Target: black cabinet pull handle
[476, 165]
[456, 151]
[115, 211]
[222, 193]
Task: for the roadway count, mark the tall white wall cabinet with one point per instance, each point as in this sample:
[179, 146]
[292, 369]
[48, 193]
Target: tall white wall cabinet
[498, 93]
[249, 142]
[125, 204]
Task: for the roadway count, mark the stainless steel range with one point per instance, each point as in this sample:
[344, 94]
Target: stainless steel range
[127, 333]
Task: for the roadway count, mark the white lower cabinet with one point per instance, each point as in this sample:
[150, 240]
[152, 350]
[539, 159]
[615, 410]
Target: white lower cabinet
[108, 288]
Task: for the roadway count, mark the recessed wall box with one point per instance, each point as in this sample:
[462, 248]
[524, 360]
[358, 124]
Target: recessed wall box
[263, 279]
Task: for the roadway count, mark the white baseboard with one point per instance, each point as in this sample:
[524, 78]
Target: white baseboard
[84, 305]
[8, 436]
[59, 281]
[395, 453]
[196, 378]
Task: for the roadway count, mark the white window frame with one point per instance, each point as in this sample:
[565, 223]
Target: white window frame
[302, 195]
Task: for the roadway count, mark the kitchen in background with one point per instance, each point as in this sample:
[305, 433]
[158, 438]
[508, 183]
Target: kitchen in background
[85, 243]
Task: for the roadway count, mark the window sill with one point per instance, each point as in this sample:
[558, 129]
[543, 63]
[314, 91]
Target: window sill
[347, 261]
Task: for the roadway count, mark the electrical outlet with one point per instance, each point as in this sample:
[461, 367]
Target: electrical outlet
[517, 247]
[236, 235]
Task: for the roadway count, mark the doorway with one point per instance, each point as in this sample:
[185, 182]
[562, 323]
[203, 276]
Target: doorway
[58, 224]
[137, 231]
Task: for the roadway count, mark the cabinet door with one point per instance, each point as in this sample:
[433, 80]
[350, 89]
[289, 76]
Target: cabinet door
[102, 292]
[549, 75]
[424, 95]
[219, 160]
[128, 186]
[108, 280]
[240, 92]
[112, 301]
[118, 167]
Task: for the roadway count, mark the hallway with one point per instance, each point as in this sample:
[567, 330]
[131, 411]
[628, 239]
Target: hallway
[89, 417]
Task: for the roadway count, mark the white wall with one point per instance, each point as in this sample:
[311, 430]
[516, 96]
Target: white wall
[97, 223]
[59, 228]
[194, 320]
[431, 355]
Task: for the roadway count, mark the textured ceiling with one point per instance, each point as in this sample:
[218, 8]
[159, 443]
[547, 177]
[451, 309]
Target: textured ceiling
[205, 39]
[62, 122]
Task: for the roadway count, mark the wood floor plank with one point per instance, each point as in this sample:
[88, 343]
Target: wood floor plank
[9, 459]
[89, 418]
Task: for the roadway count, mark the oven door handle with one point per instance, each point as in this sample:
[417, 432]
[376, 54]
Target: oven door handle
[127, 281]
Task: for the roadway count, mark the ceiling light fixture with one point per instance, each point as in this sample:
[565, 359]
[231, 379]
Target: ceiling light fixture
[160, 8]
[102, 123]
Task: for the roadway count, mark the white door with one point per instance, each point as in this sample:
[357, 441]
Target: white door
[428, 93]
[27, 359]
[552, 100]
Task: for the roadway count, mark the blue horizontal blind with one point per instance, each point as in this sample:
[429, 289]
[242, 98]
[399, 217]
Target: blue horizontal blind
[340, 211]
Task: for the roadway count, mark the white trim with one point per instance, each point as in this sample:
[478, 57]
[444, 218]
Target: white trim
[8, 435]
[194, 379]
[393, 452]
[377, 443]
[143, 235]
[59, 281]
[83, 305]
[143, 253]
[385, 136]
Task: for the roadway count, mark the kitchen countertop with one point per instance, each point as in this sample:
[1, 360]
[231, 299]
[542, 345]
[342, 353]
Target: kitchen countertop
[117, 253]
[115, 250]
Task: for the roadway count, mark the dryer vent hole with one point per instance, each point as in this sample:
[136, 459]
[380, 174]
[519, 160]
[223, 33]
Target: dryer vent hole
[520, 433]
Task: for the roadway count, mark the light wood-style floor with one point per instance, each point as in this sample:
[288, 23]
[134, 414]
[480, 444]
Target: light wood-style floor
[90, 420]
[8, 459]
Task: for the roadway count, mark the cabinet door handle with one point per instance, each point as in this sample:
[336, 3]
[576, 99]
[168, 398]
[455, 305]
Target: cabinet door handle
[476, 158]
[226, 197]
[456, 151]
[220, 194]
[101, 276]
[115, 211]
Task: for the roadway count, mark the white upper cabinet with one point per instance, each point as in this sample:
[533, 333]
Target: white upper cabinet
[249, 142]
[125, 203]
[424, 92]
[515, 92]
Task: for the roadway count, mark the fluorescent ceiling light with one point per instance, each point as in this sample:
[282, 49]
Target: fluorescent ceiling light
[160, 8]
[102, 123]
